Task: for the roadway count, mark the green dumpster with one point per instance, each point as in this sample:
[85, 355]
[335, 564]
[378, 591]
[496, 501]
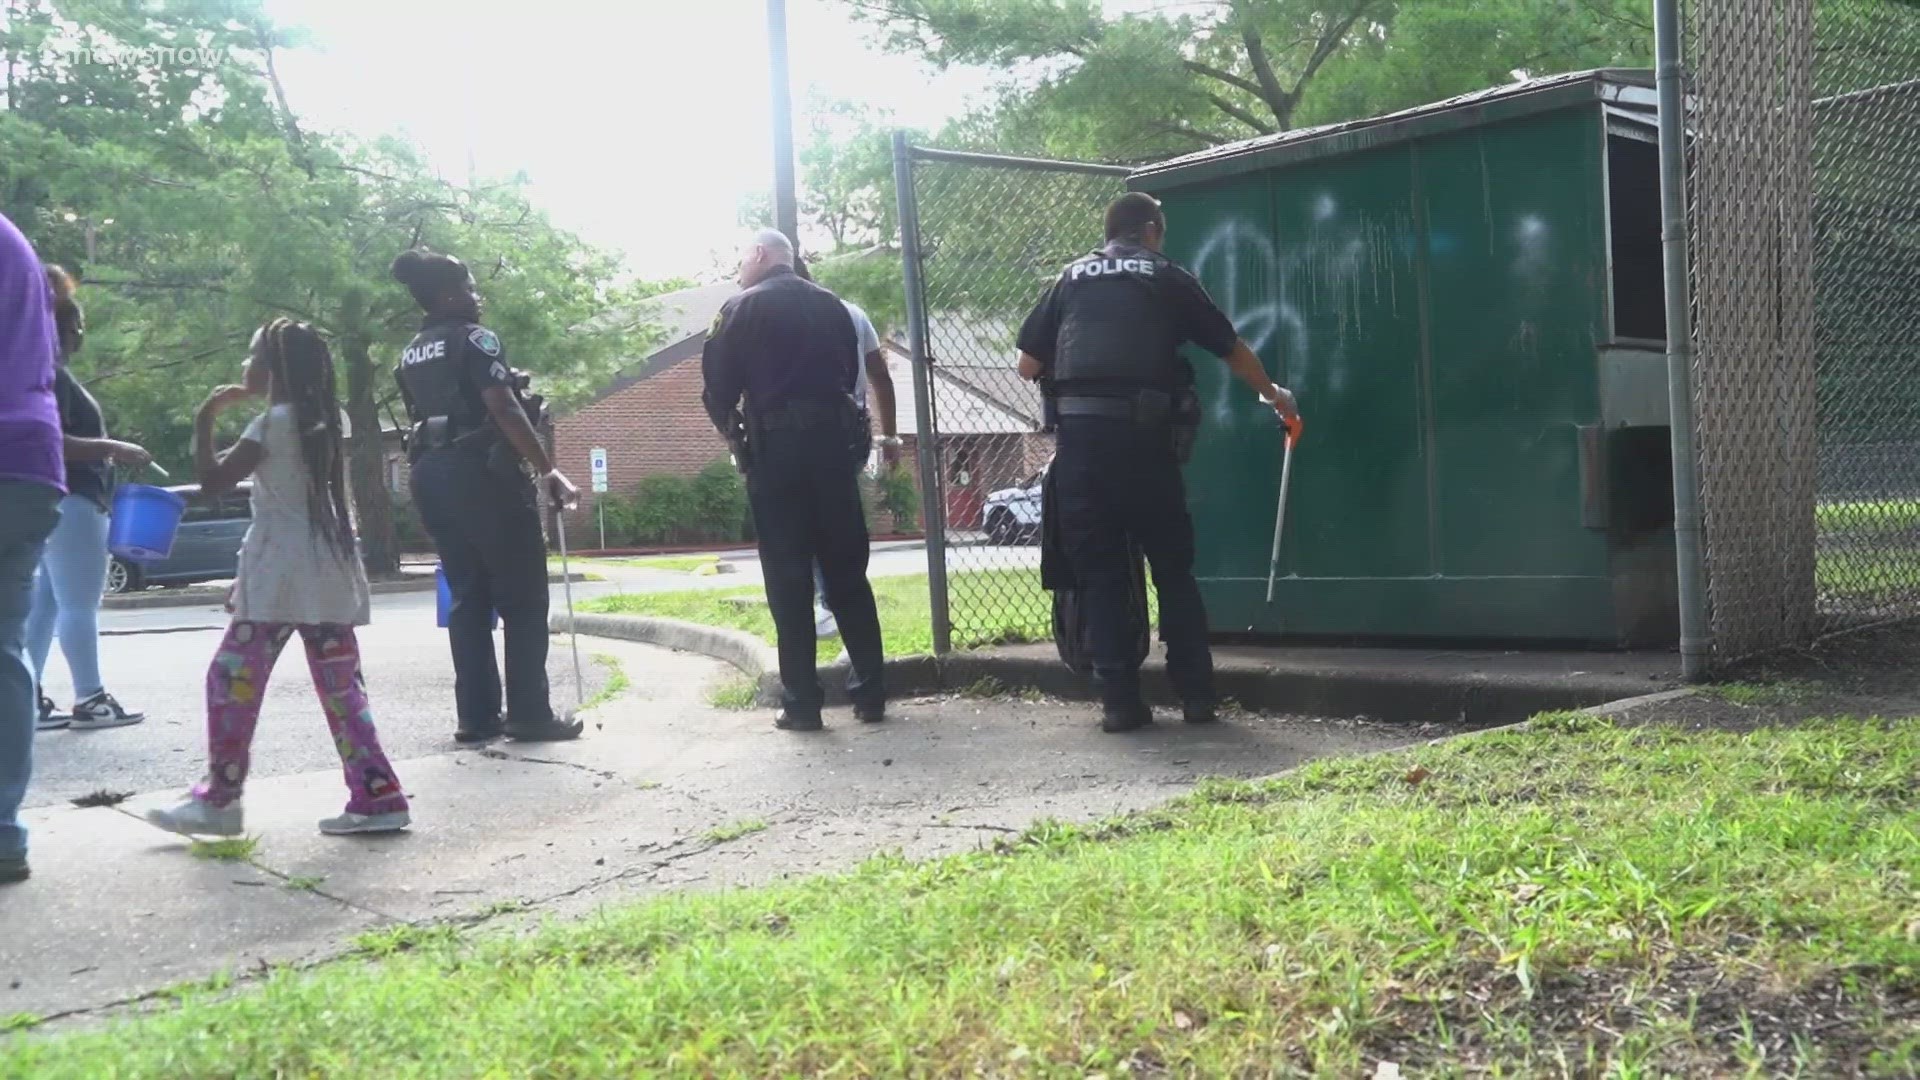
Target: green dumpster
[1467, 299]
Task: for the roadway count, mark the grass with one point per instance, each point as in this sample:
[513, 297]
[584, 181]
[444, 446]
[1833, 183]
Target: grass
[679, 564]
[735, 693]
[1579, 899]
[1870, 516]
[1868, 573]
[1001, 608]
[305, 883]
[616, 681]
[230, 849]
[734, 830]
[1750, 694]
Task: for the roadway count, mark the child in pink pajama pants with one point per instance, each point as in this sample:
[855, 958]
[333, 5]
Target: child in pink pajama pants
[299, 572]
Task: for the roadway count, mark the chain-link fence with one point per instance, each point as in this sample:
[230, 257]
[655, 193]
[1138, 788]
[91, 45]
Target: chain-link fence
[1804, 218]
[984, 237]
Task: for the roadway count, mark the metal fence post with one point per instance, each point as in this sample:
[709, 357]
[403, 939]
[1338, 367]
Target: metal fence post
[932, 510]
[1695, 634]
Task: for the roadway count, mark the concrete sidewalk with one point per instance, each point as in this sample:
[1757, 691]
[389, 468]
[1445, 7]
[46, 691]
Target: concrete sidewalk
[117, 910]
[1464, 686]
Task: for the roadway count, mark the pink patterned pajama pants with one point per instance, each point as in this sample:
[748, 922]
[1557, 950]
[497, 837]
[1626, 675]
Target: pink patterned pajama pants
[236, 683]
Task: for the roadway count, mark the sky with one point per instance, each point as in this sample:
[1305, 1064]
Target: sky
[639, 123]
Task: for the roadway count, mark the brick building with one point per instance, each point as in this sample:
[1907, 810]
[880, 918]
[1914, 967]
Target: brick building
[650, 419]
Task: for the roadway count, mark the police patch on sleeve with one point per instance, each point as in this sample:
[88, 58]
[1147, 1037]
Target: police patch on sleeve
[485, 340]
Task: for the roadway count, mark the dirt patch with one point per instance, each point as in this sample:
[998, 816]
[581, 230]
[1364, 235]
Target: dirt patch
[1868, 673]
[1692, 1015]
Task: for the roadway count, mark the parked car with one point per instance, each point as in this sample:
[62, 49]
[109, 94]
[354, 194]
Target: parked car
[207, 547]
[1013, 514]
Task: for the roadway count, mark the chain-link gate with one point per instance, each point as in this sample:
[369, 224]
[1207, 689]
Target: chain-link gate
[982, 237]
[1804, 220]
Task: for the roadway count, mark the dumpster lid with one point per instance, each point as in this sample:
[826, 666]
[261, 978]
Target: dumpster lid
[1630, 90]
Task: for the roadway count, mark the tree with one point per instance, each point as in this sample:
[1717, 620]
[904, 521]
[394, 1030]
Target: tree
[1150, 84]
[195, 205]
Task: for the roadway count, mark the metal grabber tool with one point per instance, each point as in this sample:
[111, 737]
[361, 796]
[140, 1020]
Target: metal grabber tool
[566, 583]
[1280, 513]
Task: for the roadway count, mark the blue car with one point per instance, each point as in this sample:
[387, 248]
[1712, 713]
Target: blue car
[207, 547]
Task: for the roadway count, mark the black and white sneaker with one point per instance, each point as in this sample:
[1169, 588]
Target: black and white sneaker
[51, 719]
[102, 711]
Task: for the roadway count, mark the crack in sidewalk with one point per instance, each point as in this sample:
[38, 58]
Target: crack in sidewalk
[502, 755]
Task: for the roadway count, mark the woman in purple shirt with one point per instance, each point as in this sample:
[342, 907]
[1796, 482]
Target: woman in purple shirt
[33, 479]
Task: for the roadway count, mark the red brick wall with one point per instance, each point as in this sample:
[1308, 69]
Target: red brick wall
[655, 426]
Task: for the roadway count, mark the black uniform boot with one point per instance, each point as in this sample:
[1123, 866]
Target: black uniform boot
[1125, 716]
[793, 720]
[552, 729]
[1200, 710]
[468, 734]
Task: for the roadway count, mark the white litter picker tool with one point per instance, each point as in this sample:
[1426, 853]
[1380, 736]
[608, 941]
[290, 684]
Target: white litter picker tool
[1280, 514]
[566, 583]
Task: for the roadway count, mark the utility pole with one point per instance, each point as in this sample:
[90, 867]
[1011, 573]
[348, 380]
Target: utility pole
[786, 208]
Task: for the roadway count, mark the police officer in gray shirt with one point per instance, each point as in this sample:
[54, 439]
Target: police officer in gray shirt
[1105, 339]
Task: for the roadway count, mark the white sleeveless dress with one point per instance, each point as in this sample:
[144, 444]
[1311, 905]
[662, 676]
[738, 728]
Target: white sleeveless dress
[288, 574]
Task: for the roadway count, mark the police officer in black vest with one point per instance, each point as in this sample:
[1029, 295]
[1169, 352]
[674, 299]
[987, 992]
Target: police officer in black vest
[788, 348]
[472, 444]
[1105, 341]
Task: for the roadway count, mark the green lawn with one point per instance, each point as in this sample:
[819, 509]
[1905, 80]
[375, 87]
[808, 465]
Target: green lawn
[1867, 516]
[1001, 606]
[686, 564]
[1868, 574]
[1580, 900]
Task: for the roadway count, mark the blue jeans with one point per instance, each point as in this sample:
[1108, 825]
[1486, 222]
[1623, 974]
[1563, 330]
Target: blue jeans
[66, 595]
[28, 512]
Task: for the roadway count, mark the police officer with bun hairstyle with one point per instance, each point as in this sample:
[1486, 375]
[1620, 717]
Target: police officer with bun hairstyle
[476, 463]
[779, 367]
[1105, 343]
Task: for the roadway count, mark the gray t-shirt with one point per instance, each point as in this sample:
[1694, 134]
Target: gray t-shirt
[869, 344]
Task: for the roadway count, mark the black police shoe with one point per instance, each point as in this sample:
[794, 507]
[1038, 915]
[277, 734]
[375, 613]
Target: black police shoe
[468, 734]
[1128, 717]
[870, 713]
[789, 720]
[552, 729]
[1200, 711]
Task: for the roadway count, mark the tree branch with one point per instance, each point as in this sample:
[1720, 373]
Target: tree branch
[1243, 115]
[217, 290]
[1225, 76]
[1271, 92]
[296, 143]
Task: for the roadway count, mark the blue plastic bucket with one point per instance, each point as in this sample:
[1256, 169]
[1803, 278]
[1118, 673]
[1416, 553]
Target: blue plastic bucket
[145, 519]
[444, 600]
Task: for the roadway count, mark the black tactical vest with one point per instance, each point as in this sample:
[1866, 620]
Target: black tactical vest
[1118, 323]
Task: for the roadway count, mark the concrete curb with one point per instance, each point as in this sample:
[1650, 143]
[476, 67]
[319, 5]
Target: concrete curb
[752, 657]
[197, 596]
[1395, 696]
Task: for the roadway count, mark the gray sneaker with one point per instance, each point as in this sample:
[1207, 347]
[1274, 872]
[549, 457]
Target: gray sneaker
[102, 711]
[191, 817]
[351, 824]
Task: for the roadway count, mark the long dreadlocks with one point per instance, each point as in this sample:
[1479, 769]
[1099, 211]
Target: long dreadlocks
[302, 369]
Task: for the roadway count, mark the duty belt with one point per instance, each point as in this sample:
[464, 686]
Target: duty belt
[440, 432]
[799, 415]
[1144, 406]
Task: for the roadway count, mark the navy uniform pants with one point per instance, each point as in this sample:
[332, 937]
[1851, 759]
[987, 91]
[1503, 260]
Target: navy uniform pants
[804, 488]
[1115, 479]
[485, 524]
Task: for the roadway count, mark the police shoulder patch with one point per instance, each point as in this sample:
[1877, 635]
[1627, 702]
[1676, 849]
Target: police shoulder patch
[485, 340]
